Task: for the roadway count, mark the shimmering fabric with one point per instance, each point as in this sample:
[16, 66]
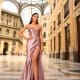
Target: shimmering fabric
[27, 73]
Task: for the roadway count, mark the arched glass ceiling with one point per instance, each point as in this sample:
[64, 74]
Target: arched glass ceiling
[27, 12]
[31, 1]
[7, 5]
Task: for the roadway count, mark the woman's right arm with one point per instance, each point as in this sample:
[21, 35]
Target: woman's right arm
[20, 32]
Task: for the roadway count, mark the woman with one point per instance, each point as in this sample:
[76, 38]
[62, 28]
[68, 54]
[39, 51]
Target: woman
[33, 69]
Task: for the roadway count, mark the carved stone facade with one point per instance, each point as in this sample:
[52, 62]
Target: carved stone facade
[65, 21]
[46, 33]
[10, 43]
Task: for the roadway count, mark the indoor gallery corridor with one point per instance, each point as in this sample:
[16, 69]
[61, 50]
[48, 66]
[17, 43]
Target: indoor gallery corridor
[60, 20]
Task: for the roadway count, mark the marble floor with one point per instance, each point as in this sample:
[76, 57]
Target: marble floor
[54, 69]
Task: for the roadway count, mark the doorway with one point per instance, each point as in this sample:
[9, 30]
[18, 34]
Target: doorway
[5, 49]
[67, 41]
[78, 36]
[59, 44]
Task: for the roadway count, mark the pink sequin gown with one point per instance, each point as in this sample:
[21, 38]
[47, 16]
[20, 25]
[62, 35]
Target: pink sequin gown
[27, 73]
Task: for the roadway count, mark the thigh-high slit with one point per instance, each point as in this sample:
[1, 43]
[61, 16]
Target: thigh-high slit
[27, 73]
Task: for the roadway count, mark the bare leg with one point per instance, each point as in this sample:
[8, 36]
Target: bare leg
[34, 63]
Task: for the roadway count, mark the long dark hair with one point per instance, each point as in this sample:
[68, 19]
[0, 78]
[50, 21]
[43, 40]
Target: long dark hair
[31, 18]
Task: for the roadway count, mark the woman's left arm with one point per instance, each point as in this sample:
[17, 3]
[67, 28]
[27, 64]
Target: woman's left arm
[41, 38]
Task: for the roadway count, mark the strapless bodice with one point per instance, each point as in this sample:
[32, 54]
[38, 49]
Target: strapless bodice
[35, 33]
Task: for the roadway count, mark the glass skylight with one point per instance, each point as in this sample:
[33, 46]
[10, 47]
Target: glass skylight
[31, 1]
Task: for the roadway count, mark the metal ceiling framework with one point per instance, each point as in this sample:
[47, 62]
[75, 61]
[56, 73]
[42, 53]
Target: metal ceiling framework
[41, 6]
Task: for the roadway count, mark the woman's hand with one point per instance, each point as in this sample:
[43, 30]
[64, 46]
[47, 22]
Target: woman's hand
[20, 32]
[22, 36]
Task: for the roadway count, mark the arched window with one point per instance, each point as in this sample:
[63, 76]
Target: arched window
[27, 11]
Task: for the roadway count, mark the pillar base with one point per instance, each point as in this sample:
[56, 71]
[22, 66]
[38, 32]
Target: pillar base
[62, 56]
[57, 55]
[53, 55]
[74, 56]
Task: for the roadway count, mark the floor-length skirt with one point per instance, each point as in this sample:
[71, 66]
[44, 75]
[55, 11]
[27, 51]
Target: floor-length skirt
[27, 72]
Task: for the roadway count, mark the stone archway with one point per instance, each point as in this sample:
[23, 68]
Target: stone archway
[5, 48]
